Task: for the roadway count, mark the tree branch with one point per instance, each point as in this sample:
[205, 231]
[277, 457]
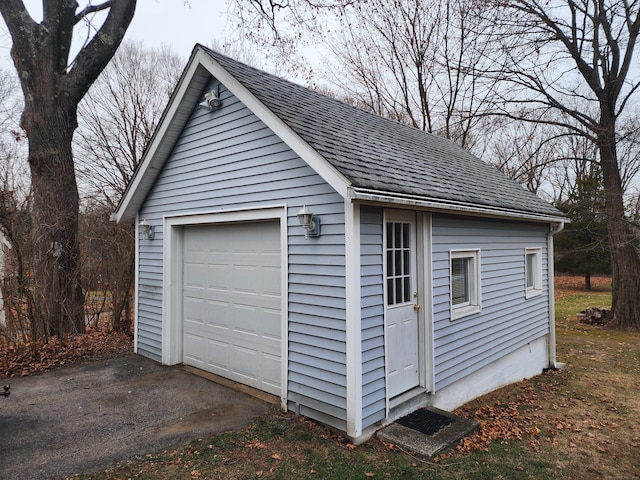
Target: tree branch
[92, 9]
[22, 29]
[96, 55]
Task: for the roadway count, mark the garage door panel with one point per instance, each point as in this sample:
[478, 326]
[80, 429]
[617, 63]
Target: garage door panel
[218, 363]
[218, 278]
[247, 320]
[195, 276]
[237, 359]
[203, 311]
[231, 302]
[269, 329]
[270, 278]
[197, 347]
[245, 280]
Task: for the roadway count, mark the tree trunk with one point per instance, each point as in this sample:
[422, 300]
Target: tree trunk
[625, 263]
[53, 87]
[587, 281]
[59, 303]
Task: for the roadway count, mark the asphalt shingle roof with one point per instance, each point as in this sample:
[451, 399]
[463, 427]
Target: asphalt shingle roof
[376, 153]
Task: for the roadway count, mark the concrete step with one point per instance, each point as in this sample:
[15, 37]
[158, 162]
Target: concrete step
[429, 445]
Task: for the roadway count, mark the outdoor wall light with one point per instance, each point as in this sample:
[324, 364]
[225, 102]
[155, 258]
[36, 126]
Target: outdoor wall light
[211, 99]
[147, 230]
[309, 222]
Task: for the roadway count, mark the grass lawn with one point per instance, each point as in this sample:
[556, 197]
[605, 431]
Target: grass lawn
[577, 423]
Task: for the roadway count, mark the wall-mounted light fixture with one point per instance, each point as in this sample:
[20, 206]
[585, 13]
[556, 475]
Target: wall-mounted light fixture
[211, 99]
[147, 230]
[309, 222]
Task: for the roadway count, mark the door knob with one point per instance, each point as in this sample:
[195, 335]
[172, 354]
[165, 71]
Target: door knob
[416, 307]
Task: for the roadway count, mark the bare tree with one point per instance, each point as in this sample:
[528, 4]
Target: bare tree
[53, 83]
[16, 299]
[267, 21]
[108, 254]
[525, 153]
[416, 63]
[16, 289]
[574, 57]
[118, 117]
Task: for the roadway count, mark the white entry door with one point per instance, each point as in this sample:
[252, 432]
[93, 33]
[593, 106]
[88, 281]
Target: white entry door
[401, 319]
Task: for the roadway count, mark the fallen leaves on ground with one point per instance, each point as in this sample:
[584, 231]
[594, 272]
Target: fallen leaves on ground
[23, 359]
[512, 420]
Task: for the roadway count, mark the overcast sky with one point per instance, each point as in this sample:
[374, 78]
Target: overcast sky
[156, 22]
[170, 21]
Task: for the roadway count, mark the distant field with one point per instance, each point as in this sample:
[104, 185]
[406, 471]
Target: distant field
[571, 297]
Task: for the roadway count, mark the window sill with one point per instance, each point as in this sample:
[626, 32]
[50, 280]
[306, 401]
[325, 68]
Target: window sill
[532, 292]
[465, 311]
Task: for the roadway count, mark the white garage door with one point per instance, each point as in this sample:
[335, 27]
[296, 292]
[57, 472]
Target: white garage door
[231, 302]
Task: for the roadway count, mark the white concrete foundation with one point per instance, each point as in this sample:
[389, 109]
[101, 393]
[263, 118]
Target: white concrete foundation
[525, 362]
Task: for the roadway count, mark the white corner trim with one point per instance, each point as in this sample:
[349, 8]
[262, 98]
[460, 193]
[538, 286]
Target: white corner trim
[284, 303]
[136, 283]
[551, 290]
[354, 319]
[171, 295]
[427, 272]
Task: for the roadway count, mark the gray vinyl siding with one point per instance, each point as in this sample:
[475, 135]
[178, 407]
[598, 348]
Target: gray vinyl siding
[372, 316]
[508, 320]
[150, 297]
[229, 159]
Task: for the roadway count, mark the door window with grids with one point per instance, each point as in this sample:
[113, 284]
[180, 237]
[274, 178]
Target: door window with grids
[398, 250]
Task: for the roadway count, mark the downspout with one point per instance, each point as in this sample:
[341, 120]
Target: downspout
[552, 306]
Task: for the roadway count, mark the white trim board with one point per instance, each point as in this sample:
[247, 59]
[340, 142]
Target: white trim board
[354, 319]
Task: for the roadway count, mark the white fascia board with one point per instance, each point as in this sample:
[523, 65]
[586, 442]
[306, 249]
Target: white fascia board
[157, 152]
[316, 161]
[446, 206]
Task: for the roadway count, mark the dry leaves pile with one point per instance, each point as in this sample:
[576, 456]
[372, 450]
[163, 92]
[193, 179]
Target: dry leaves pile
[23, 359]
[513, 420]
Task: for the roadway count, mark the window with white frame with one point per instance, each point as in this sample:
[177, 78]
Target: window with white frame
[465, 282]
[533, 271]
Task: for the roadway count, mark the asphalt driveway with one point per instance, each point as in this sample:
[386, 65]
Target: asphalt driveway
[84, 419]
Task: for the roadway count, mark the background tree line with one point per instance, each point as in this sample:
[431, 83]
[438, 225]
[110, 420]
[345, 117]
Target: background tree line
[546, 92]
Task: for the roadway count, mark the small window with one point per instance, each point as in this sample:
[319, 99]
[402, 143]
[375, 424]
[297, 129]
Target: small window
[533, 271]
[465, 283]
